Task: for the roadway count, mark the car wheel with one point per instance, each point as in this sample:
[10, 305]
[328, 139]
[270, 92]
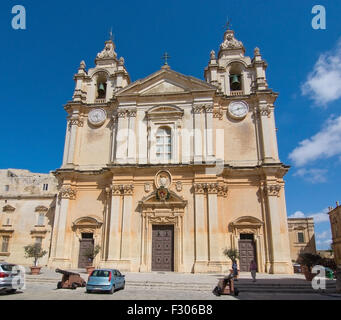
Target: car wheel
[124, 284]
[59, 285]
[12, 291]
[88, 291]
[112, 290]
[74, 286]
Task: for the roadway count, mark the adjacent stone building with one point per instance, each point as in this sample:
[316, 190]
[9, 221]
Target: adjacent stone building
[335, 224]
[27, 202]
[302, 236]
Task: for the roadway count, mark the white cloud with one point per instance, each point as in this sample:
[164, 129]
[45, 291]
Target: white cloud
[318, 217]
[324, 244]
[312, 175]
[297, 214]
[323, 235]
[324, 144]
[323, 84]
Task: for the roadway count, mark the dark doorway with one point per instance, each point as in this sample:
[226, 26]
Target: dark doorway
[86, 244]
[247, 251]
[163, 248]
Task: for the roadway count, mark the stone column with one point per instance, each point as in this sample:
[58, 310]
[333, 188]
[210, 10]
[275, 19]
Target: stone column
[66, 194]
[142, 138]
[131, 137]
[197, 134]
[105, 228]
[74, 122]
[67, 142]
[213, 233]
[121, 137]
[201, 245]
[126, 225]
[264, 114]
[114, 234]
[279, 248]
[209, 156]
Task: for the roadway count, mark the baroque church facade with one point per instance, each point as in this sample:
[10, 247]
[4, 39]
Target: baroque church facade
[167, 172]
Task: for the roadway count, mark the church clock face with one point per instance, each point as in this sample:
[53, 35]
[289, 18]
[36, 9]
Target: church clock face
[97, 117]
[238, 109]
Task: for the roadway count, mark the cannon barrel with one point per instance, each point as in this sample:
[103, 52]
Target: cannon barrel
[67, 273]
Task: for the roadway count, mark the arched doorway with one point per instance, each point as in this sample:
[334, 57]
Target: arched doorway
[247, 237]
[162, 233]
[86, 236]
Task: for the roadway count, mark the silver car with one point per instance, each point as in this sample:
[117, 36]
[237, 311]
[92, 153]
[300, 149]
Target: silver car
[11, 278]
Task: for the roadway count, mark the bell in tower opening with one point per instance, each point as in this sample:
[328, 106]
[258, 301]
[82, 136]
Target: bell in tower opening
[101, 90]
[235, 83]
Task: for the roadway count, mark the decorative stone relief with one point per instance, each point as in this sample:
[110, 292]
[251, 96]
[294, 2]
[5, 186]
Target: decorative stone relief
[163, 179]
[108, 51]
[230, 42]
[178, 186]
[147, 187]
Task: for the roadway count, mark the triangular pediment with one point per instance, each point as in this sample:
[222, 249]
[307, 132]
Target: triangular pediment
[164, 82]
[163, 87]
[8, 208]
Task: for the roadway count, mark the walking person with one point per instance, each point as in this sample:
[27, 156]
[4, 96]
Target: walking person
[253, 269]
[235, 270]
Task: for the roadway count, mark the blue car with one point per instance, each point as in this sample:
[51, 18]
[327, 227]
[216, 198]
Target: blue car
[106, 280]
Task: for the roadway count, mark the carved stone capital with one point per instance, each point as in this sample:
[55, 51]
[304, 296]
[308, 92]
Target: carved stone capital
[272, 190]
[217, 113]
[67, 192]
[76, 121]
[125, 189]
[131, 113]
[208, 108]
[265, 111]
[212, 188]
[197, 109]
[121, 113]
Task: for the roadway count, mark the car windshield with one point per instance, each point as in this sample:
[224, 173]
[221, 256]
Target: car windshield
[7, 267]
[100, 273]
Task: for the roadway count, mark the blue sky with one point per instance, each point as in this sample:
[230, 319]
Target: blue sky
[304, 66]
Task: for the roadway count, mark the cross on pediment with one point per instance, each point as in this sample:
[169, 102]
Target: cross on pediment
[165, 57]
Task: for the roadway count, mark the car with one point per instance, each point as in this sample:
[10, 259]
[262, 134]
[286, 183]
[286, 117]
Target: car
[11, 278]
[105, 280]
[329, 273]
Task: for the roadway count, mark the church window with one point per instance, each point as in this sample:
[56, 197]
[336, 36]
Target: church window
[4, 245]
[45, 186]
[41, 219]
[163, 144]
[39, 241]
[300, 236]
[6, 187]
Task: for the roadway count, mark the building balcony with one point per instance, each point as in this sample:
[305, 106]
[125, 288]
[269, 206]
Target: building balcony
[102, 100]
[237, 93]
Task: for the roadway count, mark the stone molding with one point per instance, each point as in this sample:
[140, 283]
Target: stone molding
[264, 111]
[8, 208]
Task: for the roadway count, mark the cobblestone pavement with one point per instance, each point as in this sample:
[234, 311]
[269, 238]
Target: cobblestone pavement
[48, 291]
